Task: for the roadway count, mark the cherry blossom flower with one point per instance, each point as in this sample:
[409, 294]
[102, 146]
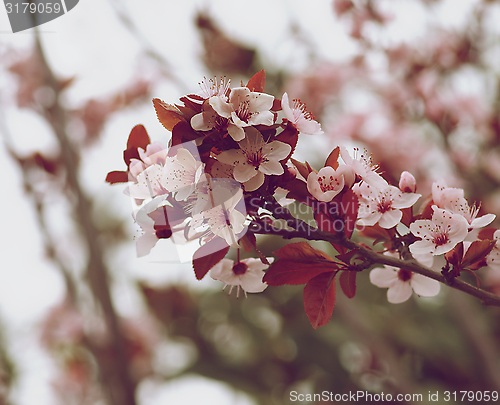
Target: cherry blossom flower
[182, 173]
[325, 184]
[439, 235]
[255, 158]
[247, 274]
[363, 167]
[245, 108]
[149, 183]
[402, 282]
[453, 200]
[459, 205]
[224, 219]
[382, 205]
[301, 119]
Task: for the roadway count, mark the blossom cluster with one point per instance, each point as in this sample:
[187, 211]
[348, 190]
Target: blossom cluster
[222, 179]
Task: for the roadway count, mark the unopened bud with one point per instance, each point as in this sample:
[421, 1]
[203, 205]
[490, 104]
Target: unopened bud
[407, 183]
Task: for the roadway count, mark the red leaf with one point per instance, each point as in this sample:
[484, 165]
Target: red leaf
[297, 264]
[167, 114]
[486, 233]
[347, 282]
[297, 189]
[208, 256]
[349, 208]
[117, 177]
[377, 233]
[257, 82]
[477, 251]
[333, 158]
[138, 138]
[289, 135]
[319, 299]
[303, 169]
[455, 255]
[182, 133]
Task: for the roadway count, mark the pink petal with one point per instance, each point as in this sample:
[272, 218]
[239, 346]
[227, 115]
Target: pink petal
[260, 102]
[236, 132]
[390, 219]
[231, 157]
[406, 200]
[276, 150]
[483, 221]
[263, 117]
[244, 172]
[399, 292]
[271, 167]
[383, 276]
[220, 106]
[370, 219]
[425, 286]
[255, 182]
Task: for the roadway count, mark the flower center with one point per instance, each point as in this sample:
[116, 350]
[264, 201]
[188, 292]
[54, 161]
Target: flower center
[240, 268]
[404, 275]
[384, 205]
[440, 239]
[243, 112]
[328, 185]
[255, 158]
[299, 109]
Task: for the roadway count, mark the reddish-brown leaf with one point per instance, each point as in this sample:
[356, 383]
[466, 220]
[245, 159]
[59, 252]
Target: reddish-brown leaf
[297, 264]
[117, 177]
[347, 282]
[487, 233]
[349, 209]
[297, 190]
[319, 299]
[289, 135]
[182, 133]
[455, 255]
[477, 251]
[208, 255]
[333, 158]
[302, 168]
[138, 138]
[167, 114]
[377, 233]
[257, 82]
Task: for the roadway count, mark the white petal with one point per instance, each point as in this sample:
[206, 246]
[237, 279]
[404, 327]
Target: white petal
[231, 157]
[406, 200]
[276, 150]
[422, 247]
[483, 221]
[220, 106]
[236, 132]
[399, 292]
[255, 182]
[285, 106]
[198, 123]
[390, 219]
[425, 286]
[222, 269]
[145, 243]
[264, 118]
[244, 172]
[252, 282]
[309, 127]
[271, 167]
[260, 102]
[383, 276]
[370, 219]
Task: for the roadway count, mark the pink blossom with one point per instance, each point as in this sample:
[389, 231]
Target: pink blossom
[382, 206]
[245, 108]
[402, 282]
[301, 119]
[407, 183]
[247, 274]
[255, 158]
[182, 173]
[493, 258]
[439, 235]
[364, 167]
[325, 184]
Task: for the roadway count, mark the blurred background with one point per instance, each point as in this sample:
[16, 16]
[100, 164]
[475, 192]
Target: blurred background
[84, 321]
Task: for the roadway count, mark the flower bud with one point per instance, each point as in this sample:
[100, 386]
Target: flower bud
[407, 183]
